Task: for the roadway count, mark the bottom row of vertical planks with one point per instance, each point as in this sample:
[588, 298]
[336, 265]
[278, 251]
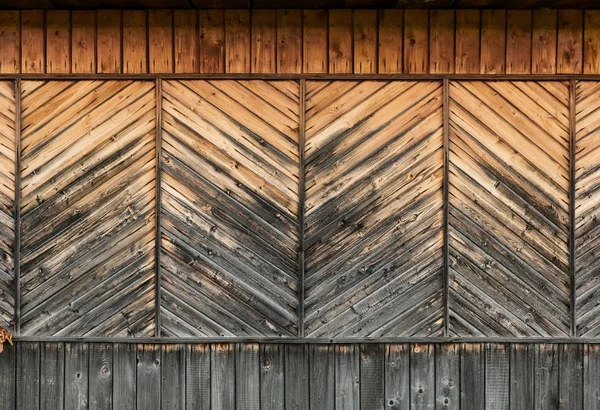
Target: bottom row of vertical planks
[300, 376]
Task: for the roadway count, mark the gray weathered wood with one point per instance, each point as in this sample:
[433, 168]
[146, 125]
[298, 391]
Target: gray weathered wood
[546, 376]
[497, 376]
[197, 391]
[124, 375]
[296, 377]
[222, 377]
[76, 376]
[397, 376]
[322, 376]
[101, 376]
[173, 376]
[570, 388]
[52, 376]
[148, 377]
[472, 370]
[28, 375]
[347, 377]
[7, 377]
[447, 372]
[247, 376]
[591, 377]
[422, 376]
[272, 377]
[372, 381]
[522, 376]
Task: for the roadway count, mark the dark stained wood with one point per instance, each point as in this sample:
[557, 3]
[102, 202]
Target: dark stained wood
[314, 46]
[83, 41]
[289, 41]
[187, 41]
[365, 41]
[148, 380]
[570, 388]
[109, 41]
[416, 41]
[32, 41]
[272, 377]
[173, 376]
[518, 42]
[468, 37]
[198, 376]
[212, 41]
[8, 372]
[322, 376]
[441, 41]
[100, 376]
[58, 41]
[297, 378]
[160, 41]
[28, 375]
[493, 41]
[52, 376]
[237, 44]
[10, 36]
[76, 376]
[570, 42]
[391, 26]
[135, 42]
[372, 387]
[591, 377]
[544, 37]
[340, 41]
[546, 376]
[263, 41]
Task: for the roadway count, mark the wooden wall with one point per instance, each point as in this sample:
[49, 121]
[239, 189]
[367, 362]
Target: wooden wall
[301, 41]
[57, 375]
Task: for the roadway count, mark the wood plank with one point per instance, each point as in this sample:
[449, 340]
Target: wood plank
[187, 41]
[591, 377]
[441, 41]
[197, 390]
[314, 46]
[32, 42]
[148, 377]
[173, 385]
[58, 41]
[372, 382]
[493, 41]
[422, 376]
[124, 375]
[83, 41]
[390, 56]
[570, 388]
[222, 377]
[497, 376]
[212, 41]
[296, 376]
[76, 376]
[322, 376]
[365, 41]
[52, 376]
[546, 376]
[570, 42]
[10, 36]
[272, 377]
[247, 376]
[289, 41]
[108, 37]
[416, 41]
[472, 371]
[346, 377]
[447, 371]
[100, 376]
[135, 42]
[544, 37]
[28, 375]
[522, 376]
[160, 41]
[8, 371]
[340, 41]
[591, 42]
[468, 30]
[397, 376]
[518, 45]
[264, 37]
[237, 41]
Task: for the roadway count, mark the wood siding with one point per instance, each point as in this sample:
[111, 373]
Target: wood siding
[543, 41]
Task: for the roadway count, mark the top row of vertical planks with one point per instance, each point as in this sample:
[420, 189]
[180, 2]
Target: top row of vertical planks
[408, 41]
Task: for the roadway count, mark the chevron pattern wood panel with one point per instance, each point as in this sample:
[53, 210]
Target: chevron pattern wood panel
[230, 200]
[88, 208]
[587, 209]
[509, 209]
[374, 215]
[7, 203]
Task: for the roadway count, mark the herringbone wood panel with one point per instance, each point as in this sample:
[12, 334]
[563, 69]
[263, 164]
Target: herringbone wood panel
[509, 209]
[88, 201]
[374, 170]
[230, 208]
[7, 201]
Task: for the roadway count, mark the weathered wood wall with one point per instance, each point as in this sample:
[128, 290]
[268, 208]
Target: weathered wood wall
[300, 376]
[301, 41]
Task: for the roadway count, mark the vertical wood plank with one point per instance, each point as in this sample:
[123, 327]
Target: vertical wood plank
[522, 375]
[447, 371]
[391, 23]
[108, 37]
[467, 53]
[148, 377]
[8, 371]
[416, 41]
[570, 389]
[296, 377]
[543, 47]
[58, 41]
[347, 377]
[10, 38]
[187, 46]
[591, 377]
[472, 370]
[314, 41]
[173, 377]
[570, 42]
[76, 376]
[365, 41]
[546, 376]
[422, 376]
[340, 41]
[52, 376]
[28, 375]
[591, 42]
[264, 28]
[247, 376]
[397, 376]
[322, 377]
[135, 42]
[124, 375]
[32, 41]
[496, 376]
[372, 382]
[222, 378]
[160, 41]
[493, 41]
[100, 376]
[272, 382]
[83, 41]
[441, 41]
[212, 41]
[237, 41]
[518, 45]
[197, 390]
[289, 41]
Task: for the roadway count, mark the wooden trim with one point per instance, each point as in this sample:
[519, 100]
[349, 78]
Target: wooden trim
[301, 206]
[157, 217]
[572, 168]
[17, 210]
[446, 204]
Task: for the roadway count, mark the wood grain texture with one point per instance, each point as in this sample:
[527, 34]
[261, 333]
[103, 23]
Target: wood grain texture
[544, 37]
[416, 41]
[591, 42]
[493, 41]
[10, 36]
[230, 208]
[570, 42]
[87, 208]
[441, 41]
[212, 41]
[289, 41]
[83, 41]
[76, 376]
[187, 41]
[135, 27]
[397, 376]
[373, 209]
[58, 41]
[160, 41]
[108, 41]
[468, 37]
[32, 50]
[365, 41]
[518, 42]
[389, 49]
[509, 211]
[263, 41]
[314, 41]
[8, 378]
[237, 44]
[340, 41]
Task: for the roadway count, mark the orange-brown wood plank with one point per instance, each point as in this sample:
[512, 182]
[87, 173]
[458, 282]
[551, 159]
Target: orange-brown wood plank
[416, 41]
[289, 41]
[441, 41]
[32, 41]
[365, 41]
[10, 40]
[543, 47]
[135, 42]
[237, 41]
[212, 41]
[518, 42]
[591, 42]
[83, 41]
[493, 41]
[314, 44]
[186, 41]
[468, 30]
[570, 42]
[390, 41]
[160, 41]
[58, 41]
[264, 36]
[109, 41]
[340, 41]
